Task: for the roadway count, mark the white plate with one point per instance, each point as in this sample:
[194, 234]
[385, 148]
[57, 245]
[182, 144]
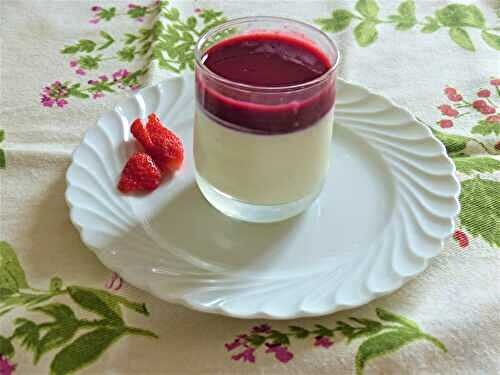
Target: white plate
[388, 204]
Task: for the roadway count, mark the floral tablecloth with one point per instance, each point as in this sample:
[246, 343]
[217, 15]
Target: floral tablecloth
[65, 62]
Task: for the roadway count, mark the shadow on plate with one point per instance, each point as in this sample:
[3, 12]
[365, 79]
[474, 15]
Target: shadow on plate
[189, 223]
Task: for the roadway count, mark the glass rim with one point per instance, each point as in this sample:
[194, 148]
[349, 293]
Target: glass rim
[236, 21]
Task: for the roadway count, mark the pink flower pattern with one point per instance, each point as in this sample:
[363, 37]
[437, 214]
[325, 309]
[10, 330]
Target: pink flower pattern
[455, 98]
[6, 368]
[484, 104]
[485, 93]
[89, 54]
[277, 342]
[281, 352]
[493, 119]
[96, 9]
[55, 94]
[247, 355]
[448, 110]
[115, 283]
[261, 328]
[461, 238]
[122, 73]
[236, 343]
[323, 341]
[249, 345]
[445, 124]
[61, 102]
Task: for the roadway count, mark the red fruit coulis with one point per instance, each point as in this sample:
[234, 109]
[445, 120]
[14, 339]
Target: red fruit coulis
[267, 60]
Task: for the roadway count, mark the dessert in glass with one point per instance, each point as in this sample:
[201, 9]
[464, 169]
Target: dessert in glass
[265, 94]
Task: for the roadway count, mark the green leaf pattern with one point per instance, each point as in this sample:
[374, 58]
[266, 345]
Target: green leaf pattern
[491, 39]
[62, 330]
[6, 348]
[366, 33]
[108, 40]
[480, 209]
[452, 143]
[459, 15]
[367, 8]
[471, 164]
[90, 62]
[383, 344]
[484, 127]
[107, 14]
[390, 317]
[431, 25]
[454, 17]
[99, 302]
[84, 350]
[89, 46]
[339, 21]
[462, 38]
[382, 337]
[479, 197]
[12, 275]
[405, 19]
[170, 42]
[29, 333]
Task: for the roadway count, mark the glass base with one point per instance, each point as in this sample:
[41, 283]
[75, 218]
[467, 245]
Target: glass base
[251, 212]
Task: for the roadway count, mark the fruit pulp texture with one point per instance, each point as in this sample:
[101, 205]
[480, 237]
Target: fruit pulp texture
[267, 60]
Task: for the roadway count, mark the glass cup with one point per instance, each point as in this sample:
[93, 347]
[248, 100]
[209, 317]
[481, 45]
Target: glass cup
[262, 152]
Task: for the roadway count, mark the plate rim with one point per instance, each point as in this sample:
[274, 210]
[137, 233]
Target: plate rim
[299, 313]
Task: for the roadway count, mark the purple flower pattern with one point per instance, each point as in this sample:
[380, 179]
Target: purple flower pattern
[323, 341]
[116, 281]
[247, 355]
[277, 343]
[88, 55]
[261, 328]
[6, 368]
[58, 93]
[281, 352]
[54, 94]
[251, 342]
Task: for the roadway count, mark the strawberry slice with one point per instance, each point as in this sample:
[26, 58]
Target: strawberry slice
[140, 133]
[154, 121]
[167, 150]
[139, 174]
[161, 143]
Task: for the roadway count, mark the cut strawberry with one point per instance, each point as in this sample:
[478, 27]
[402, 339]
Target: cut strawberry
[140, 133]
[139, 174]
[160, 143]
[153, 121]
[167, 150]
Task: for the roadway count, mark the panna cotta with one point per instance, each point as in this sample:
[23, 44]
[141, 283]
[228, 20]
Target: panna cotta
[264, 117]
